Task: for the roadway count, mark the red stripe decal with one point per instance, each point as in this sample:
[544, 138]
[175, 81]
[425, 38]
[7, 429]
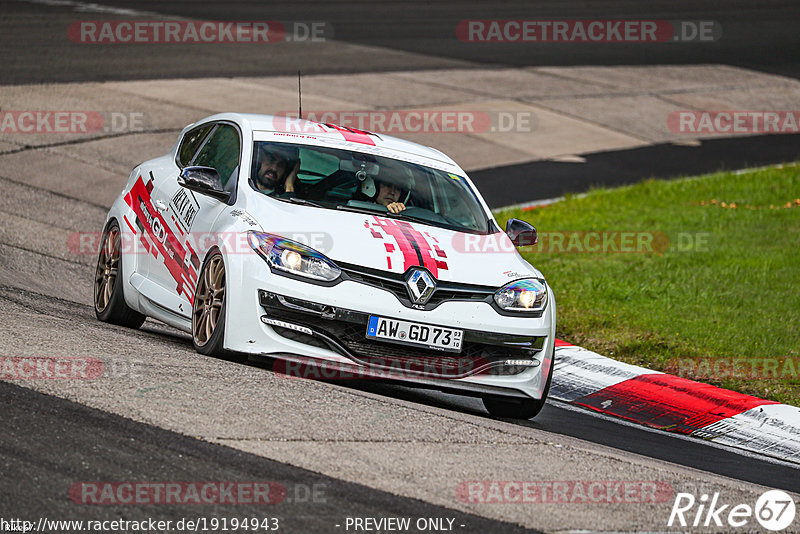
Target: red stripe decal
[424, 248]
[669, 402]
[194, 260]
[352, 135]
[177, 225]
[390, 227]
[439, 252]
[560, 343]
[189, 283]
[125, 218]
[172, 252]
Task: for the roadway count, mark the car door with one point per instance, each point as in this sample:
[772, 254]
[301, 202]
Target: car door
[151, 250]
[189, 216]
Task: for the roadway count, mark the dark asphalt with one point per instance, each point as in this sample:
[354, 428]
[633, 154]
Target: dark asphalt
[606, 431]
[760, 35]
[48, 444]
[515, 184]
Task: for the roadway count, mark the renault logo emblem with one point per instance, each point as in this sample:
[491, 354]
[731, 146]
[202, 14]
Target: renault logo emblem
[420, 285]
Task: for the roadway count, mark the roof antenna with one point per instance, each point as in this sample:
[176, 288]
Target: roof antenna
[299, 96]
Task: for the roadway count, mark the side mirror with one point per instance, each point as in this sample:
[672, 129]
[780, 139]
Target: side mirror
[521, 233]
[204, 180]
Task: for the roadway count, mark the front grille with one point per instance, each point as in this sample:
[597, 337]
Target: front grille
[395, 283]
[346, 329]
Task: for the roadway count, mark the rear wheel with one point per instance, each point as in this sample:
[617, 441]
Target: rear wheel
[515, 408]
[208, 309]
[109, 300]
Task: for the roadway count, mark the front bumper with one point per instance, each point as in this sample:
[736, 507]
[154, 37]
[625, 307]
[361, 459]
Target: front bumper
[291, 319]
[343, 331]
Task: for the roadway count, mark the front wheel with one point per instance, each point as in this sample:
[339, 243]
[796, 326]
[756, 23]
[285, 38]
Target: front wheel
[109, 300]
[208, 309]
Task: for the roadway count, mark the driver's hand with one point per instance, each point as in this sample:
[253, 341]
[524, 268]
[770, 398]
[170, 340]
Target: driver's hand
[395, 207]
[290, 180]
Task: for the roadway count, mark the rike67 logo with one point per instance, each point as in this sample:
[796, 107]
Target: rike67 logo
[774, 510]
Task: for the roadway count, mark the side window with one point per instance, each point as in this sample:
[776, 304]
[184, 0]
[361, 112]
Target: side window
[191, 142]
[221, 151]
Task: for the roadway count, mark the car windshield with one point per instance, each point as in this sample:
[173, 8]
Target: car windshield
[347, 180]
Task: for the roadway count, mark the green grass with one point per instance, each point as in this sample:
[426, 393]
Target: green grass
[736, 297]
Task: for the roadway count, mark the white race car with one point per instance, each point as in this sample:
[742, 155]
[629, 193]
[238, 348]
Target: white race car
[345, 250]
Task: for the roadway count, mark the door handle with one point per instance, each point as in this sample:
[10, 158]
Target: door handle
[160, 204]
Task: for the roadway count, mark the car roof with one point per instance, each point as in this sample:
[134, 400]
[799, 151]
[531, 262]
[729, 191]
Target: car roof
[272, 123]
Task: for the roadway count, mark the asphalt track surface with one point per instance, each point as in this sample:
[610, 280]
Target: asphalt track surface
[557, 418]
[73, 442]
[760, 35]
[421, 35]
[48, 443]
[501, 186]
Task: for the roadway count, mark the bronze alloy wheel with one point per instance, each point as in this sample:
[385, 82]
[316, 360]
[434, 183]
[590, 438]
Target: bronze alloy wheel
[109, 297]
[107, 270]
[209, 301]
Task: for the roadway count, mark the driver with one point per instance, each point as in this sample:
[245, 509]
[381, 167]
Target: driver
[389, 195]
[391, 192]
[276, 169]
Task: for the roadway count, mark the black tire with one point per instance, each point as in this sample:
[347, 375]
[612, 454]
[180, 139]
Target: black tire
[109, 300]
[208, 308]
[516, 408]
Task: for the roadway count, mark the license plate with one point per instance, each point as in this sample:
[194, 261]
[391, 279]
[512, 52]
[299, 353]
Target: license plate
[408, 333]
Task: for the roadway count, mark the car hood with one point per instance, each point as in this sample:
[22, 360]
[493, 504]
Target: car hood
[394, 245]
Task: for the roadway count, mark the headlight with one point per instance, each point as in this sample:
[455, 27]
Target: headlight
[527, 295]
[293, 257]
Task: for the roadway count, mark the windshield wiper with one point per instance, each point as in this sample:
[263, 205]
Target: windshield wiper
[361, 209]
[402, 215]
[435, 223]
[297, 200]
